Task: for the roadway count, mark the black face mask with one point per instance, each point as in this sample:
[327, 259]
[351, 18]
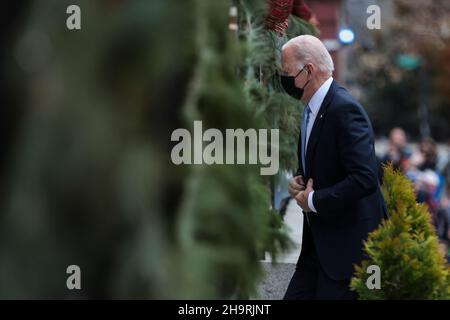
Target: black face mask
[288, 83]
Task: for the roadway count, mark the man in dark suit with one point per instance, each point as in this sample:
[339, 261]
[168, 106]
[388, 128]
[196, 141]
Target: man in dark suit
[336, 184]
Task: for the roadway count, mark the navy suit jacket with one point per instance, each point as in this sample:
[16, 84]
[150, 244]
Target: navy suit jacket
[340, 158]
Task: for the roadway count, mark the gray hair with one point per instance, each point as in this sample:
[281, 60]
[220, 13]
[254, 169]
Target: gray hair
[309, 49]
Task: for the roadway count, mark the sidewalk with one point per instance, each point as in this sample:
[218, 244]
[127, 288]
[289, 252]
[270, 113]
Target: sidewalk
[278, 275]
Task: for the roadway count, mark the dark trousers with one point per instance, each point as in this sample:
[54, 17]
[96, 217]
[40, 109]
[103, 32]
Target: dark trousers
[310, 282]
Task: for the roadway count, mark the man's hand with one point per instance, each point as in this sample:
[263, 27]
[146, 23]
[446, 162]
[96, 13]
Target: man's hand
[296, 184]
[302, 196]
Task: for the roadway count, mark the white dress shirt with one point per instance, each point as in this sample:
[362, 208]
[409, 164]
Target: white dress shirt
[314, 105]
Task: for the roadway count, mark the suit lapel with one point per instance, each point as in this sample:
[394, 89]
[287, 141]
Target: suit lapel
[299, 152]
[317, 127]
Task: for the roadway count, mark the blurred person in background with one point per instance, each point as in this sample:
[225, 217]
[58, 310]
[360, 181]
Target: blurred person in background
[398, 150]
[443, 215]
[428, 165]
[426, 185]
[428, 154]
[430, 185]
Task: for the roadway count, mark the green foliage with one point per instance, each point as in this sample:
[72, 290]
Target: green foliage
[90, 181]
[225, 219]
[260, 69]
[405, 247]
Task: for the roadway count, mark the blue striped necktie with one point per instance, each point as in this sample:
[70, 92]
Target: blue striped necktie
[306, 115]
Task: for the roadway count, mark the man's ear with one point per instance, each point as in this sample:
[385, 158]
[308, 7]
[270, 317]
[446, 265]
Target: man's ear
[309, 68]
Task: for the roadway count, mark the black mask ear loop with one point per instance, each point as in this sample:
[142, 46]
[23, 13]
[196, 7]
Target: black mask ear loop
[308, 79]
[299, 73]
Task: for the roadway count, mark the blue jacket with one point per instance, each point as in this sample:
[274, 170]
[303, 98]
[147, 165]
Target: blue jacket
[340, 158]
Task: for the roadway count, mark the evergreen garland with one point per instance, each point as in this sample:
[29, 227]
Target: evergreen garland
[90, 181]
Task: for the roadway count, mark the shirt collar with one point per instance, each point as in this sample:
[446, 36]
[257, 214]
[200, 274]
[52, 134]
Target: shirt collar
[316, 100]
